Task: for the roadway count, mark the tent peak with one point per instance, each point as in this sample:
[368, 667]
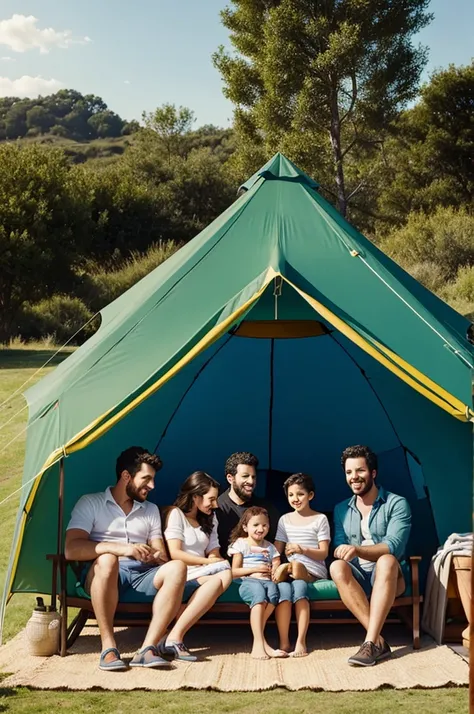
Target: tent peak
[280, 167]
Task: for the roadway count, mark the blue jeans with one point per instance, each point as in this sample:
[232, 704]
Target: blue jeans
[254, 591]
[293, 590]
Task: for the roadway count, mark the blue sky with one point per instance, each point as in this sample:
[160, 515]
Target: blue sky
[139, 55]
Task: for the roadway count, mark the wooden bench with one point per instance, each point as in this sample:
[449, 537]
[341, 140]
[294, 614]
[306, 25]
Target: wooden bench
[329, 610]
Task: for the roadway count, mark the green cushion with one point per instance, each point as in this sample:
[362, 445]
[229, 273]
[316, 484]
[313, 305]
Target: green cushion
[320, 590]
[323, 590]
[231, 594]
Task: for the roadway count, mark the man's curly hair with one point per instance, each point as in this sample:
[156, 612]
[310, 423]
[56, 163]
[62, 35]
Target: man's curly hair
[132, 459]
[240, 457]
[358, 451]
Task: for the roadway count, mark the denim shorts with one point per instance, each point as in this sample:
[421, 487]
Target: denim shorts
[293, 590]
[135, 582]
[254, 591]
[365, 578]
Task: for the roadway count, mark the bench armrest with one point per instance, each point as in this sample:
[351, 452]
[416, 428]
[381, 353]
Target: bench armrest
[415, 574]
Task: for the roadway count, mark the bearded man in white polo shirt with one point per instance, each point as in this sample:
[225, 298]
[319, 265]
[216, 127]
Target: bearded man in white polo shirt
[118, 534]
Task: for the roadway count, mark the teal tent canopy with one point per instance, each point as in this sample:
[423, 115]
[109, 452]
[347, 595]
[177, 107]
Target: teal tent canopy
[279, 330]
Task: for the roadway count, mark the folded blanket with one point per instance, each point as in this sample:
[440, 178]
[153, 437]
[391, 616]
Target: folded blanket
[436, 592]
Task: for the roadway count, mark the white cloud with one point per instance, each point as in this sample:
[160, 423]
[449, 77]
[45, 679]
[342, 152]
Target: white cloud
[126, 81]
[20, 33]
[27, 86]
[7, 59]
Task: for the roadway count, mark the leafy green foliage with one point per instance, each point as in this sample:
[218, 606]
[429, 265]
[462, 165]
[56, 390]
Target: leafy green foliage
[320, 80]
[169, 125]
[44, 227]
[100, 286]
[67, 113]
[59, 317]
[428, 160]
[445, 238]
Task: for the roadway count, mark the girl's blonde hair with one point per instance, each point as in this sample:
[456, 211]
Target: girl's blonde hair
[238, 531]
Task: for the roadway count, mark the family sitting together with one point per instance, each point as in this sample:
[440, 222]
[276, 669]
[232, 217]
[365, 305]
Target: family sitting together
[118, 535]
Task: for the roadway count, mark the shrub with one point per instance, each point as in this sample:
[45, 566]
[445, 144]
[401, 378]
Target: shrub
[100, 287]
[429, 274]
[60, 317]
[445, 237]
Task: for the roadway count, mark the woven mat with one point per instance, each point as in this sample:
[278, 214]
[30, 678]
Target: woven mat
[225, 665]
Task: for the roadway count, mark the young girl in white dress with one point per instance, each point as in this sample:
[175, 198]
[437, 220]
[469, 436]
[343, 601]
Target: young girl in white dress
[191, 535]
[304, 536]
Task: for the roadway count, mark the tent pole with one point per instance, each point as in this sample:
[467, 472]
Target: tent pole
[270, 414]
[61, 561]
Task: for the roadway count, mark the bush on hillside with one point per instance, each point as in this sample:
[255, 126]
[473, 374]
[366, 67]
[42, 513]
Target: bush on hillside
[429, 274]
[445, 237]
[100, 287]
[60, 317]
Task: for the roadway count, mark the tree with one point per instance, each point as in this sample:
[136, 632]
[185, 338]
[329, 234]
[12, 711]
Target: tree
[130, 127]
[321, 80]
[127, 213]
[15, 119]
[428, 159]
[106, 123]
[39, 118]
[170, 125]
[44, 227]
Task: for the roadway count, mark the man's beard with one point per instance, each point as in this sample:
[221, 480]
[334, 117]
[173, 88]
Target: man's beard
[243, 495]
[133, 494]
[367, 487]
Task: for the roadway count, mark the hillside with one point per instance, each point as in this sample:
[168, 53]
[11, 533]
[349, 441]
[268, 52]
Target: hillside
[80, 151]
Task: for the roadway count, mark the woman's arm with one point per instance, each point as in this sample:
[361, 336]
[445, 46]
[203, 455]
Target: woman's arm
[213, 549]
[214, 554]
[239, 572]
[175, 548]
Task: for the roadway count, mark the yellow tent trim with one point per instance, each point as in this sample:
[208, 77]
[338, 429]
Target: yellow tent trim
[423, 378]
[453, 406]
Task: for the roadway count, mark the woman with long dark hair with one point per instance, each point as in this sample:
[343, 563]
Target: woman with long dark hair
[191, 535]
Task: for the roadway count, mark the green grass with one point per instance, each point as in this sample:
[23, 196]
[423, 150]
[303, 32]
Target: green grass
[16, 367]
[444, 701]
[20, 364]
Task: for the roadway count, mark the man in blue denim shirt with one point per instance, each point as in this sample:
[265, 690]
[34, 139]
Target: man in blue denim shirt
[371, 533]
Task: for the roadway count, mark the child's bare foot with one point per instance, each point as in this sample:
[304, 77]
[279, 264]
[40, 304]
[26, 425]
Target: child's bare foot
[275, 653]
[282, 572]
[299, 572]
[285, 646]
[259, 653]
[300, 650]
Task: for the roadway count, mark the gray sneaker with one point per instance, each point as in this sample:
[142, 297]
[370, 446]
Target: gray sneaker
[383, 652]
[366, 656]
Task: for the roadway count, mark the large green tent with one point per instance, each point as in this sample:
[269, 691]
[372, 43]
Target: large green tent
[279, 330]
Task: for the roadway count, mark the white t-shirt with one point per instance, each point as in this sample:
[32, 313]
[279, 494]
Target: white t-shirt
[103, 519]
[193, 538]
[254, 555]
[366, 539]
[309, 535]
